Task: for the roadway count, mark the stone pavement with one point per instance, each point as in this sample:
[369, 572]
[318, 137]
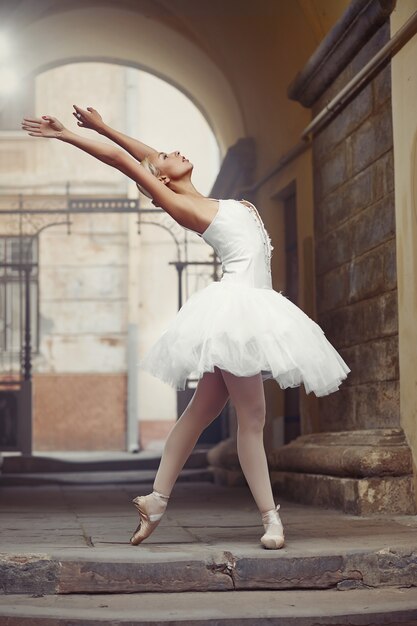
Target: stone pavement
[74, 539]
[390, 607]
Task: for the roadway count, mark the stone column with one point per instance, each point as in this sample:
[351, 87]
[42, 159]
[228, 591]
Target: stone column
[360, 461]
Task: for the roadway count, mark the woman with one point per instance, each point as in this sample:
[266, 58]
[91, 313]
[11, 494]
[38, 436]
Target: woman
[233, 334]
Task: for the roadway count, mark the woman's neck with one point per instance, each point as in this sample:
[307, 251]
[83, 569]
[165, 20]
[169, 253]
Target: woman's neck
[185, 188]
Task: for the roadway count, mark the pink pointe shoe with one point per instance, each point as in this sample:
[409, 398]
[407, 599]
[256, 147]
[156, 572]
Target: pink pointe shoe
[148, 521]
[274, 535]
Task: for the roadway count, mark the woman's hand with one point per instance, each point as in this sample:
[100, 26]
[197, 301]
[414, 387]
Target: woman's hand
[46, 126]
[88, 118]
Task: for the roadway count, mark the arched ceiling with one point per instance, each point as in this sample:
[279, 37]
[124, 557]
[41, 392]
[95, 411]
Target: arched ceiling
[233, 58]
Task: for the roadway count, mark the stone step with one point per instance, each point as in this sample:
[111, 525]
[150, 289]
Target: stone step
[60, 462]
[370, 607]
[60, 539]
[200, 567]
[136, 477]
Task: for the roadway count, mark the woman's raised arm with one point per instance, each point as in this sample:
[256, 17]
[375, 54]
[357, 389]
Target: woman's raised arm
[179, 207]
[90, 118]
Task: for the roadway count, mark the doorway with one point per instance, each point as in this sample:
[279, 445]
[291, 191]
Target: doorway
[292, 426]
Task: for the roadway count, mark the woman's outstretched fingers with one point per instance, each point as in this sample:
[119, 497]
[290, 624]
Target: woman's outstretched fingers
[33, 119]
[80, 115]
[80, 110]
[31, 124]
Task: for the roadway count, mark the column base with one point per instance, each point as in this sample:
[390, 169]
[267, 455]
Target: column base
[362, 472]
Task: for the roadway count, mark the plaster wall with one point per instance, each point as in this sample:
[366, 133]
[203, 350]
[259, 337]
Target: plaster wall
[404, 95]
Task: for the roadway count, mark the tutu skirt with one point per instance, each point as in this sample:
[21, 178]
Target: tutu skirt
[245, 330]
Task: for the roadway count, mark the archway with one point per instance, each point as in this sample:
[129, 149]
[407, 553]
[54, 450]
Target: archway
[130, 39]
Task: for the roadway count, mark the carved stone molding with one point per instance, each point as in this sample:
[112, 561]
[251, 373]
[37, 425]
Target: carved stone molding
[351, 32]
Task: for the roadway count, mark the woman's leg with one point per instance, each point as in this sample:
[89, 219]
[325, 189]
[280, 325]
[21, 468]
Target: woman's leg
[248, 397]
[208, 400]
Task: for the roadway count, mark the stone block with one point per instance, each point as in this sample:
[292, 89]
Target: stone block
[344, 326]
[330, 212]
[334, 249]
[333, 171]
[345, 123]
[380, 315]
[28, 573]
[90, 576]
[378, 360]
[351, 356]
[383, 175]
[357, 496]
[378, 404]
[363, 437]
[371, 140]
[286, 572]
[333, 289]
[355, 454]
[366, 275]
[372, 226]
[355, 194]
[388, 567]
[337, 410]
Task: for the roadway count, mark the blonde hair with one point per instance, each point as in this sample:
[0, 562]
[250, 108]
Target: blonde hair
[152, 169]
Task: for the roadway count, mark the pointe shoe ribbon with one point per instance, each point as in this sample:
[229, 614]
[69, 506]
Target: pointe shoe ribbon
[274, 531]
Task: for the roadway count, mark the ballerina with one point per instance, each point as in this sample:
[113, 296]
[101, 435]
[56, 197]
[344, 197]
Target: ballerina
[232, 335]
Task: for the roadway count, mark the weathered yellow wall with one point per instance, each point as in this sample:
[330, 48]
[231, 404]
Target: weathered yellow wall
[404, 98]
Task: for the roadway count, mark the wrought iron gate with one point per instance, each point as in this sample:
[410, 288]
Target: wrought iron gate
[23, 219]
[18, 294]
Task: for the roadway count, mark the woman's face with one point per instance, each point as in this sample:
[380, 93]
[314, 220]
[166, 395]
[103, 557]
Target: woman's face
[173, 164]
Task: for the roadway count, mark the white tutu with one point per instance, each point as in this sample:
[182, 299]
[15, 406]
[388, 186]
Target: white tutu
[246, 330]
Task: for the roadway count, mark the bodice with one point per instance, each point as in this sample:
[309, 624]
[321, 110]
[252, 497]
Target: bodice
[238, 236]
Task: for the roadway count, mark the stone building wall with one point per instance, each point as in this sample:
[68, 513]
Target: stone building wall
[356, 280]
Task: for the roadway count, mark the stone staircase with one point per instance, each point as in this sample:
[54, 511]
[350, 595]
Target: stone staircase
[65, 557]
[95, 468]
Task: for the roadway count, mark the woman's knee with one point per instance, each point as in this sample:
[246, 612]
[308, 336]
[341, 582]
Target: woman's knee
[251, 420]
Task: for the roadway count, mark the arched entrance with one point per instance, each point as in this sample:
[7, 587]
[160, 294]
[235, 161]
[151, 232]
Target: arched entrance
[115, 35]
[58, 63]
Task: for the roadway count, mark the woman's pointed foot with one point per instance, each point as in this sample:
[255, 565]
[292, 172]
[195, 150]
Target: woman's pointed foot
[151, 510]
[274, 531]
